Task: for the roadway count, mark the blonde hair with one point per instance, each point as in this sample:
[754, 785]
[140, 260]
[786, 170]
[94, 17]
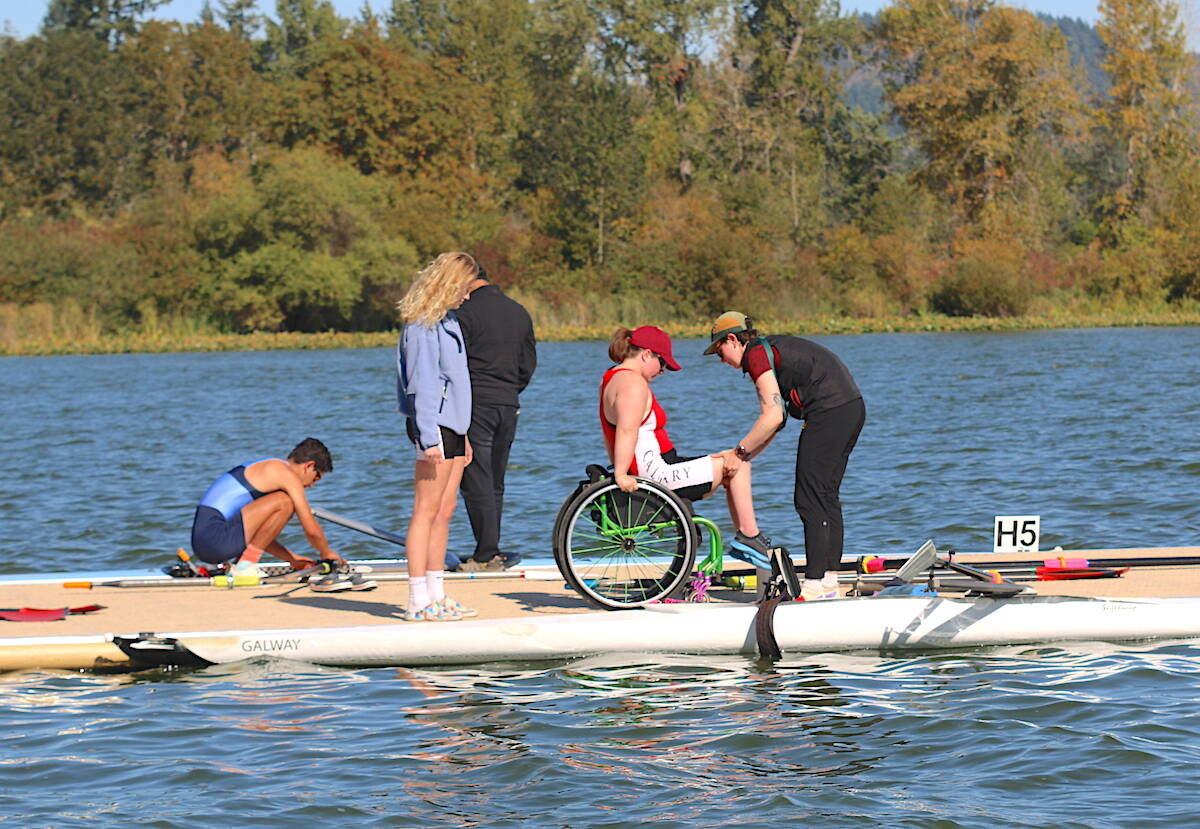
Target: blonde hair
[438, 288]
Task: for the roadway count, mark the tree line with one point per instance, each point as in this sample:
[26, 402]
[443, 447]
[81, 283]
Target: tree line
[674, 156]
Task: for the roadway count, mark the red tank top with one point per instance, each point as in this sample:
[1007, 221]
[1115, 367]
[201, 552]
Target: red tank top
[610, 429]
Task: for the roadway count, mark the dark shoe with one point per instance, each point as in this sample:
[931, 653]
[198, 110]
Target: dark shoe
[509, 560]
[470, 565]
[360, 582]
[759, 544]
[335, 582]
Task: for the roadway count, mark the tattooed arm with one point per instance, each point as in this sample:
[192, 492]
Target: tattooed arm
[771, 417]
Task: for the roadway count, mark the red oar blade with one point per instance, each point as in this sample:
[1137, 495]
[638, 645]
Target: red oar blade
[33, 614]
[37, 614]
[1060, 574]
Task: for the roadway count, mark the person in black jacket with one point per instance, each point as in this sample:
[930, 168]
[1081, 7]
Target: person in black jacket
[501, 358]
[809, 382]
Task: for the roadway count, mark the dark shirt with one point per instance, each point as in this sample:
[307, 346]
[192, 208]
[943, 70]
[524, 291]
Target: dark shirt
[811, 377]
[501, 349]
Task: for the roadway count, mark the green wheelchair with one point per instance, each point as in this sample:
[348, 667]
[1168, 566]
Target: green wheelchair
[622, 550]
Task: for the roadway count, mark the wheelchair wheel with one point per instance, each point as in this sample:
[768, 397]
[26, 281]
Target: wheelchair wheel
[625, 549]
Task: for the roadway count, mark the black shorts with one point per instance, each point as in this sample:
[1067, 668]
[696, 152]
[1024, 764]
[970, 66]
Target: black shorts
[454, 445]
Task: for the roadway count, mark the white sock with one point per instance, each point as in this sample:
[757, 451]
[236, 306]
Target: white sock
[830, 580]
[811, 586]
[437, 591]
[418, 594]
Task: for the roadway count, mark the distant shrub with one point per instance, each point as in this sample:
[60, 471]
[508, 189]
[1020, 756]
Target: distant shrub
[1183, 278]
[906, 268]
[847, 258]
[1083, 232]
[900, 207]
[988, 279]
[1137, 269]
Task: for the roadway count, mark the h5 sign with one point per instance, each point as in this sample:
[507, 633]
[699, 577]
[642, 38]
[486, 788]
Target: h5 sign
[1016, 533]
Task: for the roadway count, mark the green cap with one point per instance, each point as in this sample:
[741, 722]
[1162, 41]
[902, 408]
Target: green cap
[731, 322]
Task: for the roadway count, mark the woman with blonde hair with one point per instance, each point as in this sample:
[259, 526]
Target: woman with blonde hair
[434, 394]
[635, 433]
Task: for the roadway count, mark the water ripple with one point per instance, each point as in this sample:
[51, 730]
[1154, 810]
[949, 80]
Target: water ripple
[1009, 735]
[108, 455]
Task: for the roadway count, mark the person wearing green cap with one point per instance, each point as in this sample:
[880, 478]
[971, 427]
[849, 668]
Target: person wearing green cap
[806, 380]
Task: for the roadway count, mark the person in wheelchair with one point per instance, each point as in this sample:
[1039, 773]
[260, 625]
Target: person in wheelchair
[635, 434]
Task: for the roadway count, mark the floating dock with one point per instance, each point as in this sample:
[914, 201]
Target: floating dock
[539, 617]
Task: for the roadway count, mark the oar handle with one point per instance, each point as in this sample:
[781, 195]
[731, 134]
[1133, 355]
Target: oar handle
[357, 525]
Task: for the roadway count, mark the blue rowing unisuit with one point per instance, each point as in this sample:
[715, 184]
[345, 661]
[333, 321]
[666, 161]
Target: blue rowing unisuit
[231, 492]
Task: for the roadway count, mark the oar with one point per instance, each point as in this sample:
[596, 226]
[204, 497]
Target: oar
[1014, 573]
[452, 561]
[350, 523]
[874, 564]
[37, 614]
[168, 581]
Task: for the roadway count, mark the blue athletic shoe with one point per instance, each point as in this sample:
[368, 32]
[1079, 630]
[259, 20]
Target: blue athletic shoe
[757, 549]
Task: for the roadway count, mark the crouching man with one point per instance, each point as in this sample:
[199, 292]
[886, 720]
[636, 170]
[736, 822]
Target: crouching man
[243, 512]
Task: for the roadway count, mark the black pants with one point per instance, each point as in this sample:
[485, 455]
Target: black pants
[492, 431]
[825, 445]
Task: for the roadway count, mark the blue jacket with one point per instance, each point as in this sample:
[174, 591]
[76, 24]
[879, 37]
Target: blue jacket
[432, 383]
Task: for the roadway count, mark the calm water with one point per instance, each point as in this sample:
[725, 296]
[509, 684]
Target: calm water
[1095, 430]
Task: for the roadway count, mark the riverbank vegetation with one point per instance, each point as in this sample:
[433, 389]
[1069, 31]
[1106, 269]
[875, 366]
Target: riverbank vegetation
[244, 182]
[42, 330]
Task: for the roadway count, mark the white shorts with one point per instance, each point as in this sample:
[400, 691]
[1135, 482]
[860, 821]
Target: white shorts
[694, 475]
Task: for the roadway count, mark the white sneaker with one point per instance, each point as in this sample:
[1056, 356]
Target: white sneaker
[829, 584]
[247, 570]
[812, 590]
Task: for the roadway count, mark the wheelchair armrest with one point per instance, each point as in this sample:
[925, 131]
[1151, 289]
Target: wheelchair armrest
[596, 472]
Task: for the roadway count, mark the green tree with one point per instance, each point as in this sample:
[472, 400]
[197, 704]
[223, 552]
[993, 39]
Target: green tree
[814, 156]
[488, 44]
[110, 21]
[241, 17]
[794, 47]
[578, 148]
[976, 84]
[1146, 114]
[301, 245]
[69, 131]
[657, 45]
[305, 31]
[197, 89]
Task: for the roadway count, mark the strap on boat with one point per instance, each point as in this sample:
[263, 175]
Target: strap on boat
[764, 628]
[783, 586]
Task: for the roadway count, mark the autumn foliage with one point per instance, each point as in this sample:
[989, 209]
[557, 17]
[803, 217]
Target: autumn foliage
[606, 159]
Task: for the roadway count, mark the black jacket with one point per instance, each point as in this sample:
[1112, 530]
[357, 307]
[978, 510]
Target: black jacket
[501, 349]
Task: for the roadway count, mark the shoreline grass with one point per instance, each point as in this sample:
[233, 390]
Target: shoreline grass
[172, 339]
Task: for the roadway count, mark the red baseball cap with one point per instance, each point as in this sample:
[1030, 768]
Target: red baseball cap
[655, 339]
